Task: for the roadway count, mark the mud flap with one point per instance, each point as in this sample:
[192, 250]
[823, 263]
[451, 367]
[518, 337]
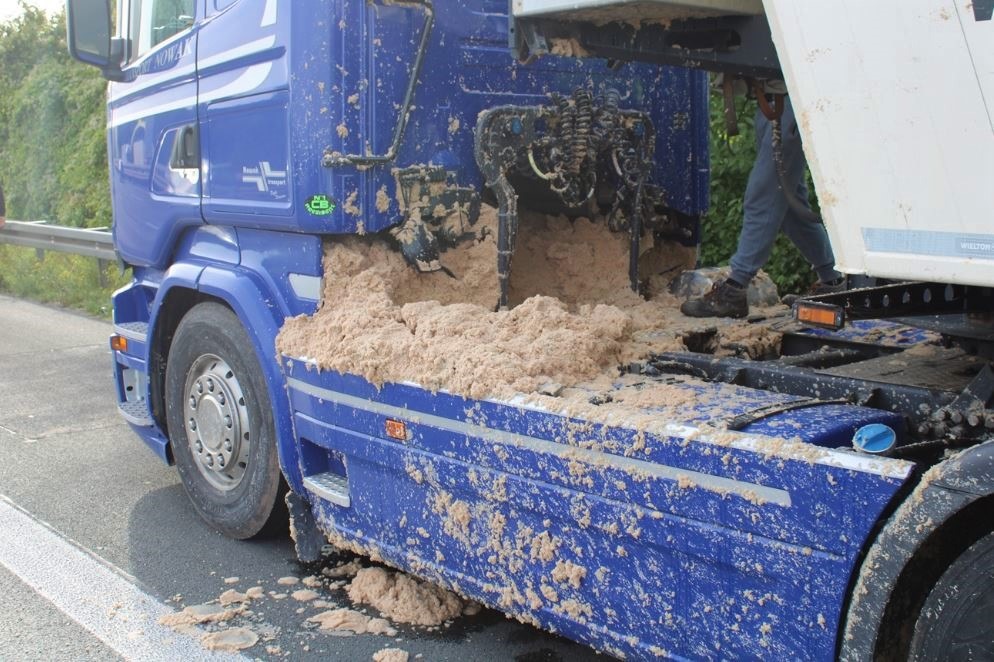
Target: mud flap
[307, 540]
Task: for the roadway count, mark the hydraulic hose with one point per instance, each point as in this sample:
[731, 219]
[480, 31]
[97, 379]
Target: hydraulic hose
[793, 201]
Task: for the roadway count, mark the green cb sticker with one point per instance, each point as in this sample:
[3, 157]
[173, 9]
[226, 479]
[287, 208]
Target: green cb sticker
[320, 205]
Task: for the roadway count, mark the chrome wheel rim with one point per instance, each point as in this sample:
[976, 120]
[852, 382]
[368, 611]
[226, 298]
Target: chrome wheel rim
[217, 424]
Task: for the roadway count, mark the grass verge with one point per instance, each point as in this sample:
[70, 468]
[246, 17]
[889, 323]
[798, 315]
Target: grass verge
[73, 281]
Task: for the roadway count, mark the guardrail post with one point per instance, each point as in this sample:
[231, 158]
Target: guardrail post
[102, 273]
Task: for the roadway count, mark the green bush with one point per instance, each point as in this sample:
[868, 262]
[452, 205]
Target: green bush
[53, 160]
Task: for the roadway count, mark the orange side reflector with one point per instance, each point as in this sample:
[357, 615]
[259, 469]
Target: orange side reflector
[823, 315]
[119, 343]
[396, 429]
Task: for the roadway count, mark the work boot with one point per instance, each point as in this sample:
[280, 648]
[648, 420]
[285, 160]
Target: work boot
[819, 288]
[724, 299]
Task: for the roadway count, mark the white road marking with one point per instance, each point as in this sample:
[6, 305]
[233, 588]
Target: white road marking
[98, 596]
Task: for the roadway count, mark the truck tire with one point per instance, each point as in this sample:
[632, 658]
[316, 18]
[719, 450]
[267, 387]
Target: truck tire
[221, 424]
[955, 622]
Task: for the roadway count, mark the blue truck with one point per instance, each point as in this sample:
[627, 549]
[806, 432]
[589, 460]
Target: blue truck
[245, 134]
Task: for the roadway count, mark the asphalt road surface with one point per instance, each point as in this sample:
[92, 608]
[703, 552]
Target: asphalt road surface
[98, 540]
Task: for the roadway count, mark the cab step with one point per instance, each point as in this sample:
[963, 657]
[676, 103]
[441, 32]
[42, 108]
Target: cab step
[330, 487]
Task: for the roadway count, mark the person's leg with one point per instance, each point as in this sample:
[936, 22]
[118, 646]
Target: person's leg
[804, 231]
[812, 242]
[763, 209]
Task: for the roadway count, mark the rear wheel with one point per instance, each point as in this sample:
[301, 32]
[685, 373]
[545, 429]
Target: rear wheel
[221, 424]
[955, 622]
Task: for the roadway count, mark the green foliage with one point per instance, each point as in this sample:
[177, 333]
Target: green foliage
[731, 161]
[53, 157]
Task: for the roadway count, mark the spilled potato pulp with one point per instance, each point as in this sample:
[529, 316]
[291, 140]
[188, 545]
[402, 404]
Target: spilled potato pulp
[573, 321]
[573, 317]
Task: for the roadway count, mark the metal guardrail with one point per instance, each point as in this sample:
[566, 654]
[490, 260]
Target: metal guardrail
[92, 242]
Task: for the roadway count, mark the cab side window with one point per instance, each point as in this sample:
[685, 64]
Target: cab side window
[154, 21]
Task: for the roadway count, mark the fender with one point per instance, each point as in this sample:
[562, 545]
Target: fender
[920, 531]
[250, 271]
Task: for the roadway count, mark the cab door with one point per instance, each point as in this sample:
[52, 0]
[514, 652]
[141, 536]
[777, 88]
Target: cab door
[153, 130]
[244, 80]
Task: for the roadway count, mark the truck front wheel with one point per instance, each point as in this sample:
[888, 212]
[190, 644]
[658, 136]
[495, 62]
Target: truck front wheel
[221, 424]
[955, 622]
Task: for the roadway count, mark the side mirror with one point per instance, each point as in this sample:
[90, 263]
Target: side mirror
[89, 35]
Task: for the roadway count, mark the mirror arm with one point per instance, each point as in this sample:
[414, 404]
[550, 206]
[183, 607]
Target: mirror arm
[117, 47]
[114, 74]
[112, 71]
